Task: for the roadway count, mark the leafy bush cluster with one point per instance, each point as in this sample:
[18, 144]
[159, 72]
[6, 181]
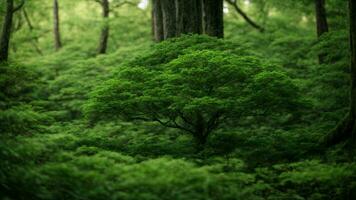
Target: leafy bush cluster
[18, 113]
[264, 118]
[196, 91]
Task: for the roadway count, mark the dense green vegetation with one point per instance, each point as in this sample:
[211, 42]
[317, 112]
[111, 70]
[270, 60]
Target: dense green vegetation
[189, 118]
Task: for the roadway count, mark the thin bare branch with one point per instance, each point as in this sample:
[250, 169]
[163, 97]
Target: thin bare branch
[18, 7]
[233, 3]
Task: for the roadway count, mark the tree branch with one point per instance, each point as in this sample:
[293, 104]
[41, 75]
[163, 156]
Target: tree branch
[233, 3]
[181, 115]
[27, 18]
[18, 7]
[99, 2]
[174, 125]
[123, 3]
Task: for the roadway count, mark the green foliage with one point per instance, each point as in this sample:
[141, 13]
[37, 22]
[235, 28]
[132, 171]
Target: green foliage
[277, 102]
[17, 92]
[195, 91]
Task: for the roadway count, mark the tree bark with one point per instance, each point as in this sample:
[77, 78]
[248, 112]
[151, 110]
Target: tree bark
[6, 31]
[172, 18]
[6, 28]
[213, 18]
[200, 132]
[168, 8]
[56, 31]
[189, 16]
[104, 35]
[347, 127]
[321, 20]
[321, 23]
[157, 21]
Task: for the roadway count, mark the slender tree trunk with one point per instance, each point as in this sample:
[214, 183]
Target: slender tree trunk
[321, 20]
[6, 31]
[352, 11]
[104, 35]
[347, 127]
[157, 20]
[56, 31]
[321, 23]
[169, 18]
[213, 18]
[200, 14]
[189, 13]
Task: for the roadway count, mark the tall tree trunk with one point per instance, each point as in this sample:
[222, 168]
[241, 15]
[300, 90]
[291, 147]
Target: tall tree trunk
[189, 14]
[56, 31]
[104, 35]
[6, 28]
[347, 127]
[213, 18]
[6, 31]
[352, 13]
[321, 22]
[157, 18]
[169, 18]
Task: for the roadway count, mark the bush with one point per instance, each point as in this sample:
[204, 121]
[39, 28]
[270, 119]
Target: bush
[195, 92]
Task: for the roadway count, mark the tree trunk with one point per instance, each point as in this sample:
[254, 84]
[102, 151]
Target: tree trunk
[347, 127]
[104, 35]
[352, 5]
[213, 18]
[157, 21]
[189, 14]
[6, 31]
[321, 22]
[57, 36]
[201, 132]
[169, 18]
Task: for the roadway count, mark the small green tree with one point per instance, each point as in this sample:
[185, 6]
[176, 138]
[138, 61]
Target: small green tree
[196, 91]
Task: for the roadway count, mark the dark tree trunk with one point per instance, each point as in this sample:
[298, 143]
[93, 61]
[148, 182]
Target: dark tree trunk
[168, 8]
[200, 14]
[56, 31]
[157, 21]
[104, 35]
[172, 18]
[321, 22]
[352, 13]
[6, 31]
[347, 128]
[6, 28]
[213, 18]
[189, 14]
[200, 133]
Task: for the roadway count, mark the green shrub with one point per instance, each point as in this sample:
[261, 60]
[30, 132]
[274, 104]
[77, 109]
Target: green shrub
[195, 92]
